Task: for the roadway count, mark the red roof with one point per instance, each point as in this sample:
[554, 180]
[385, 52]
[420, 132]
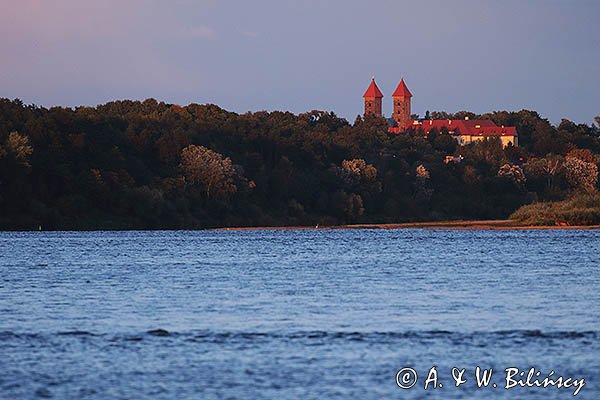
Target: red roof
[373, 91]
[460, 126]
[402, 90]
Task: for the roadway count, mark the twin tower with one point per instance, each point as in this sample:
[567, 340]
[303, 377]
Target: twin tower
[401, 98]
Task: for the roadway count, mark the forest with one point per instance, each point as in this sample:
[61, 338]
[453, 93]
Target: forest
[152, 165]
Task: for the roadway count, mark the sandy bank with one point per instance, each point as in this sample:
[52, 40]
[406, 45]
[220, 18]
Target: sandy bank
[458, 225]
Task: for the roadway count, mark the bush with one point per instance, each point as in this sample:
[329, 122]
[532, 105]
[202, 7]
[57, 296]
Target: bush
[581, 209]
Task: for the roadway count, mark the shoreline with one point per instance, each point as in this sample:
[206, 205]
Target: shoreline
[447, 225]
[499, 225]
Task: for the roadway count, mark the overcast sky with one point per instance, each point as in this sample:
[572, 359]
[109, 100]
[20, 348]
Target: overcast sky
[306, 54]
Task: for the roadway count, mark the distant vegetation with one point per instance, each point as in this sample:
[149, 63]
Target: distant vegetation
[150, 165]
[581, 209]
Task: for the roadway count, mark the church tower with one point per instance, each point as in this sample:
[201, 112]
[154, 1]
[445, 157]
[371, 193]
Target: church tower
[373, 98]
[402, 105]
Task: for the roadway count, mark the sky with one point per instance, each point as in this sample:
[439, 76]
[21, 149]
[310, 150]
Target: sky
[480, 55]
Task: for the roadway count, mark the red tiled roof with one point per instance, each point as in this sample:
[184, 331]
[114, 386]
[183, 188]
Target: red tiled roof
[373, 91]
[464, 127]
[402, 90]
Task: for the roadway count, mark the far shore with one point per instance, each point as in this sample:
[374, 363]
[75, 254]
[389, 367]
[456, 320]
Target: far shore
[503, 224]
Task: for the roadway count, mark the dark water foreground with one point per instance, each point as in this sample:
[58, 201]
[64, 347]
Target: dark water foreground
[296, 314]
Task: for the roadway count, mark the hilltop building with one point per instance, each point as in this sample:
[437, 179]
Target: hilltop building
[373, 97]
[464, 131]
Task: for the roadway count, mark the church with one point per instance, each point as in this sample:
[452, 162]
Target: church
[464, 131]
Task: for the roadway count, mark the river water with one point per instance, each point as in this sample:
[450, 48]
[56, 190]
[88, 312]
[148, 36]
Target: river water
[297, 314]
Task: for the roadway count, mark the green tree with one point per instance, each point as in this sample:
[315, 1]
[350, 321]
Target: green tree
[544, 169]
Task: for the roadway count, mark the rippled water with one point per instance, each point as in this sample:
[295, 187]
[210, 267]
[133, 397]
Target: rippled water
[316, 314]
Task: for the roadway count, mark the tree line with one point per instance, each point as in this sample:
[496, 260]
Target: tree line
[152, 165]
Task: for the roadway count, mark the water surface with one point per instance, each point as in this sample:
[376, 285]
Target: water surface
[314, 314]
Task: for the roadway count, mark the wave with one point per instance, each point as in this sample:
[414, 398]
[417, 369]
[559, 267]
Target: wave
[75, 333]
[315, 335]
[159, 332]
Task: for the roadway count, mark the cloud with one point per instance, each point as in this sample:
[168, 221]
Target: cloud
[250, 34]
[200, 32]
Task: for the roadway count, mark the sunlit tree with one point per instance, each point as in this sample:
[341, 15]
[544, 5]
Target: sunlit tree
[18, 146]
[581, 174]
[423, 188]
[208, 168]
[513, 173]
